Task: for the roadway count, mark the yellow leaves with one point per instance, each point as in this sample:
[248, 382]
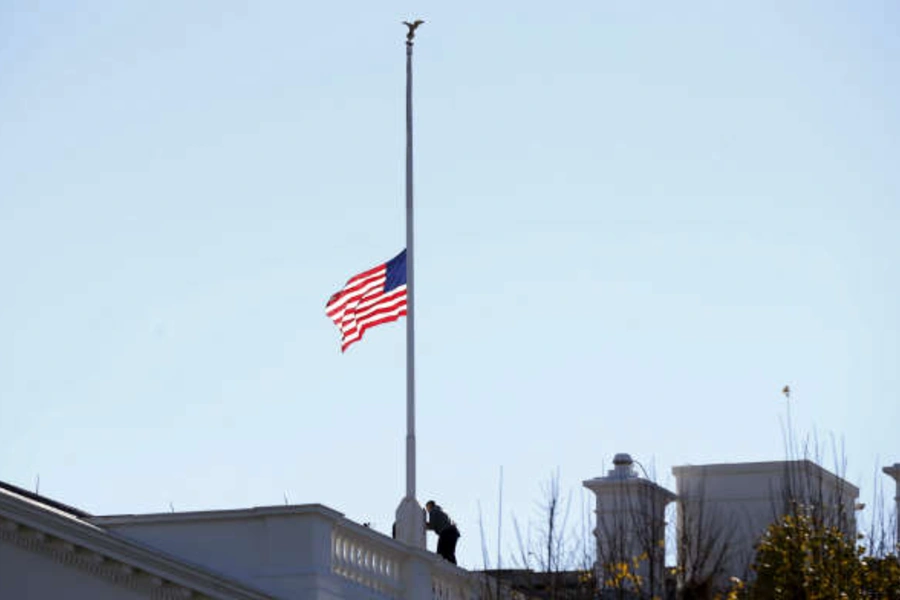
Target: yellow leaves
[799, 557]
[737, 586]
[624, 574]
[735, 590]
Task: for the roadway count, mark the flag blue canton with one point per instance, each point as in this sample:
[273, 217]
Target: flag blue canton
[371, 298]
[396, 272]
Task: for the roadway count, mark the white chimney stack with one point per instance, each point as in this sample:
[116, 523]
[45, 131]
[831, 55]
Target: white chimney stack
[631, 526]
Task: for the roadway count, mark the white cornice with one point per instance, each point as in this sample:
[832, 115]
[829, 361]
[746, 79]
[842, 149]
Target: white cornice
[93, 563]
[71, 541]
[216, 515]
[772, 468]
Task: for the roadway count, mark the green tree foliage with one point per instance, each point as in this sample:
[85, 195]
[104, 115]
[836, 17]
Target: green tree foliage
[800, 558]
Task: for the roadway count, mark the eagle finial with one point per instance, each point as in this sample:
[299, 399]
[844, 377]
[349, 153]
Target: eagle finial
[412, 29]
[786, 391]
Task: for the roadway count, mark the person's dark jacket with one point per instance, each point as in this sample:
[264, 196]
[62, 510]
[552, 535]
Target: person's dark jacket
[438, 520]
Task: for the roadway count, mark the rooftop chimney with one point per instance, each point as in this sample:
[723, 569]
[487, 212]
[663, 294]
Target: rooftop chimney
[630, 524]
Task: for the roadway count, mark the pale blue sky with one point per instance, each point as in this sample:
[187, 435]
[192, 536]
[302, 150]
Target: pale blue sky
[636, 222]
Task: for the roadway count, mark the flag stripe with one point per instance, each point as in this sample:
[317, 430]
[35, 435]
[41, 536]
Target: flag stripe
[364, 307]
[374, 313]
[382, 305]
[355, 290]
[357, 335]
[370, 298]
[341, 305]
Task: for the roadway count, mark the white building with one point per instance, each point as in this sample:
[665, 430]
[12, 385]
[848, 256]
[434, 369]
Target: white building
[894, 472]
[723, 509]
[49, 550]
[631, 525]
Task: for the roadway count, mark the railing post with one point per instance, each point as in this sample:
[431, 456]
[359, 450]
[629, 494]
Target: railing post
[416, 578]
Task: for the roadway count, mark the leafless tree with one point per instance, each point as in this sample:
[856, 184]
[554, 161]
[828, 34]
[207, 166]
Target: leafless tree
[706, 545]
[881, 532]
[553, 557]
[631, 540]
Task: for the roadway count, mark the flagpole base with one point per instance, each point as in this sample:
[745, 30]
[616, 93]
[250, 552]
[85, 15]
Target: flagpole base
[409, 524]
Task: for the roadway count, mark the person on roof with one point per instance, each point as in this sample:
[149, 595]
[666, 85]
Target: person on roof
[446, 530]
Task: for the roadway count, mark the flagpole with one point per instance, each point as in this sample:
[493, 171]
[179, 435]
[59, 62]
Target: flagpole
[410, 291]
[410, 526]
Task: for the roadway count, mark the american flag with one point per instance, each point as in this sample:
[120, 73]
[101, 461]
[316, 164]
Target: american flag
[371, 298]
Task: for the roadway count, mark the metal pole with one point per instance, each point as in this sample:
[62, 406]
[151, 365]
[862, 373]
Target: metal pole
[410, 521]
[410, 292]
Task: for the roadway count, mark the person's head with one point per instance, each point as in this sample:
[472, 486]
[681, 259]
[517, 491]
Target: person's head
[430, 505]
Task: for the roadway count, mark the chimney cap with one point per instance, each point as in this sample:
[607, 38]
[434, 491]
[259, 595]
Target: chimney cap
[622, 458]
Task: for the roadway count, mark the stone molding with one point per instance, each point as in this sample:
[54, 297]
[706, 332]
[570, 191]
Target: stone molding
[69, 539]
[93, 563]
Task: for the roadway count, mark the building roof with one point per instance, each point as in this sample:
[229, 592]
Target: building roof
[214, 515]
[75, 512]
[775, 467]
[65, 533]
